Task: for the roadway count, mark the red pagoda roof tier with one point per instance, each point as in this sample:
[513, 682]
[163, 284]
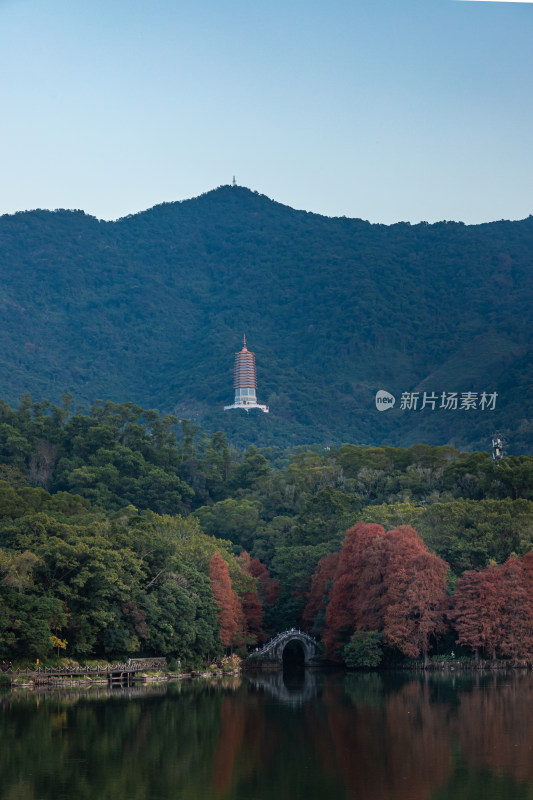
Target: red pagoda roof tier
[244, 375]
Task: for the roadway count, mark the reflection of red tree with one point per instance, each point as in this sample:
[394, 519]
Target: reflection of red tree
[245, 744]
[232, 725]
[418, 742]
[321, 736]
[400, 749]
[495, 727]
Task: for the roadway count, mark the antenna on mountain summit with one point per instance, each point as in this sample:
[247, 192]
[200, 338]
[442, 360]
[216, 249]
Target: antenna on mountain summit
[498, 447]
[234, 183]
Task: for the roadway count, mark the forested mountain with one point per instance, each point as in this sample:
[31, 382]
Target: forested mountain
[151, 308]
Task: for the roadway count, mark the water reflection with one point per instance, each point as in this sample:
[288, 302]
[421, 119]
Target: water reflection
[386, 744]
[289, 687]
[359, 737]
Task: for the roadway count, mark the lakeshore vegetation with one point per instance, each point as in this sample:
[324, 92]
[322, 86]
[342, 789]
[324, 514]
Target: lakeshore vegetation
[124, 532]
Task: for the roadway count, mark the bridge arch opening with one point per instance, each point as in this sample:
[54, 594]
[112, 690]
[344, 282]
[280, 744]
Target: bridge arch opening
[293, 666]
[293, 655]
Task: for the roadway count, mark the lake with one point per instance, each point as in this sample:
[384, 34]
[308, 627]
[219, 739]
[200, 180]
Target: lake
[314, 736]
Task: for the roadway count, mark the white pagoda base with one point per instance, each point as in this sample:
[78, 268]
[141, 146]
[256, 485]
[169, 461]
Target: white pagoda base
[247, 406]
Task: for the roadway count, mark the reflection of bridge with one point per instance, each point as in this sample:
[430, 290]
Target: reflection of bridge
[301, 644]
[293, 691]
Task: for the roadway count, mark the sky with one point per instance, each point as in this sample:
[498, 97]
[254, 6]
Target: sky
[385, 110]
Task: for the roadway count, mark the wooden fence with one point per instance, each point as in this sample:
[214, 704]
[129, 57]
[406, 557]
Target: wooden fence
[110, 671]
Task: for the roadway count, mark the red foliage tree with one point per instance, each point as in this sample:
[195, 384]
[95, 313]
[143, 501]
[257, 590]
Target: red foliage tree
[475, 611]
[270, 588]
[318, 594]
[230, 613]
[516, 588]
[493, 609]
[355, 597]
[252, 607]
[387, 582]
[415, 580]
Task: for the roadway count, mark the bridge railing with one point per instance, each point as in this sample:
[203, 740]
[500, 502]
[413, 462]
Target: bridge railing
[291, 633]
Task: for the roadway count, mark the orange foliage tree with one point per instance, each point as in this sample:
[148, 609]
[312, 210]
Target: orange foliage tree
[493, 609]
[318, 594]
[387, 582]
[270, 588]
[251, 606]
[230, 614]
[415, 582]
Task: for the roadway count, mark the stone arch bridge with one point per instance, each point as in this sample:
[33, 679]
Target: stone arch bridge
[271, 654]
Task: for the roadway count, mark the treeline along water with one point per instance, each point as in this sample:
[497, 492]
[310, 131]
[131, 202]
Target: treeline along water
[123, 535]
[356, 736]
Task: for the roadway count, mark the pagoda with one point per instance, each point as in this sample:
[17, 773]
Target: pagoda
[245, 381]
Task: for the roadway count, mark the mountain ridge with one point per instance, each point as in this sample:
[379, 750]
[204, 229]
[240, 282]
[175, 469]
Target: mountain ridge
[151, 308]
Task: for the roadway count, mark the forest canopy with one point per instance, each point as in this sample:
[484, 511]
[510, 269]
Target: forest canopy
[126, 532]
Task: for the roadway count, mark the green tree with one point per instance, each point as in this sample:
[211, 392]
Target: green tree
[364, 650]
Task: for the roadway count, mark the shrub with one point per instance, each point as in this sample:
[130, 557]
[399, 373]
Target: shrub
[364, 650]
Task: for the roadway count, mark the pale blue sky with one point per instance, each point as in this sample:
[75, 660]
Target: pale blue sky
[382, 109]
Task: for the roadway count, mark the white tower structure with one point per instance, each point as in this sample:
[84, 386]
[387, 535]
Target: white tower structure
[245, 381]
[498, 447]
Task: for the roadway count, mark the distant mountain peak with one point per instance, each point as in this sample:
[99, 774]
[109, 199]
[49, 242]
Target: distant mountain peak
[116, 310]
